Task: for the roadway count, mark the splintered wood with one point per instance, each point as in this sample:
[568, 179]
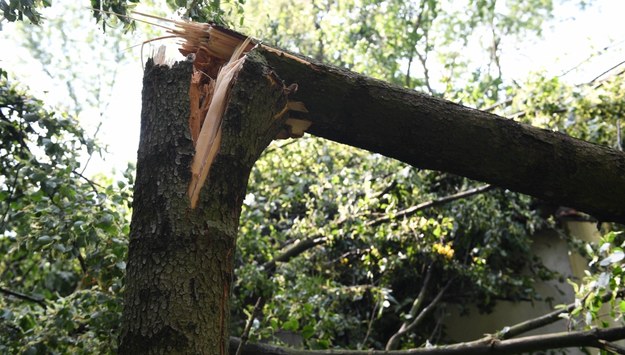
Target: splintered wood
[209, 139]
[218, 55]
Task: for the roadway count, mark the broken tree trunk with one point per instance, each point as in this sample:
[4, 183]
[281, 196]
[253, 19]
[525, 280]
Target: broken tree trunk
[183, 228]
[180, 260]
[431, 133]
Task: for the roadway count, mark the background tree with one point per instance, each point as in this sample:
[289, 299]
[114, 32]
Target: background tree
[63, 235]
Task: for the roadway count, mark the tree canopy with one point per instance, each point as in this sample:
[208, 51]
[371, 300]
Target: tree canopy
[337, 247]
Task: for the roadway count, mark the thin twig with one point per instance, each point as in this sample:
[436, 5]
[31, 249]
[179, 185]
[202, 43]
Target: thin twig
[599, 52]
[504, 103]
[12, 188]
[416, 305]
[246, 332]
[611, 347]
[607, 71]
[619, 141]
[417, 25]
[370, 325]
[394, 340]
[414, 209]
[94, 185]
[538, 322]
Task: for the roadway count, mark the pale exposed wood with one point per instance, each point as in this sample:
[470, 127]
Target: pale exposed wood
[200, 95]
[298, 127]
[159, 57]
[209, 139]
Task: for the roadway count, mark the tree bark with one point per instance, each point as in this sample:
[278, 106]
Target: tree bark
[180, 260]
[431, 133]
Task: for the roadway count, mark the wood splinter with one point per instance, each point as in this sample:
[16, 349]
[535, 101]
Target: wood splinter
[293, 127]
[217, 58]
[209, 138]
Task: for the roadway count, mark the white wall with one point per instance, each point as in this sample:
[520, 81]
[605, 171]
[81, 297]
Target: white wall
[555, 254]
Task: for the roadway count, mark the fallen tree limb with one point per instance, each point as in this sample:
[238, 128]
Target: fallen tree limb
[596, 338]
[538, 322]
[428, 132]
[467, 347]
[432, 133]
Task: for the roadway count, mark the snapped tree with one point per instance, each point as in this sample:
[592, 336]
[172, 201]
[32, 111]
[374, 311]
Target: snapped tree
[180, 263]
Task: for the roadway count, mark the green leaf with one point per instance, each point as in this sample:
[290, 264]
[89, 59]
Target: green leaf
[44, 239]
[292, 325]
[308, 331]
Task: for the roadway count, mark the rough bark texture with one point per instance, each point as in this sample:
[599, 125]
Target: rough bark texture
[180, 261]
[431, 133]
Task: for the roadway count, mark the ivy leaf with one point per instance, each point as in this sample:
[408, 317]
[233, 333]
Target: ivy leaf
[308, 331]
[292, 325]
[615, 257]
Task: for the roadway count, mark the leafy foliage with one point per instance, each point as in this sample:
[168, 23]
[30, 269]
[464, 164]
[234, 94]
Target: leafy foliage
[592, 112]
[62, 236]
[601, 292]
[355, 285]
[16, 10]
[119, 11]
[422, 35]
[370, 273]
[227, 13]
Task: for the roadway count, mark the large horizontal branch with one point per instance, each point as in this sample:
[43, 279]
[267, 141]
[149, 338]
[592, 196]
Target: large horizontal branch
[432, 133]
[597, 338]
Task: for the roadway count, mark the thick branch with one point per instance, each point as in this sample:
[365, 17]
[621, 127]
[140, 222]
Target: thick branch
[432, 133]
[597, 338]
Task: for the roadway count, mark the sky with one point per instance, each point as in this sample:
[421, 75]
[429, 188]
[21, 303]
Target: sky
[570, 40]
[591, 41]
